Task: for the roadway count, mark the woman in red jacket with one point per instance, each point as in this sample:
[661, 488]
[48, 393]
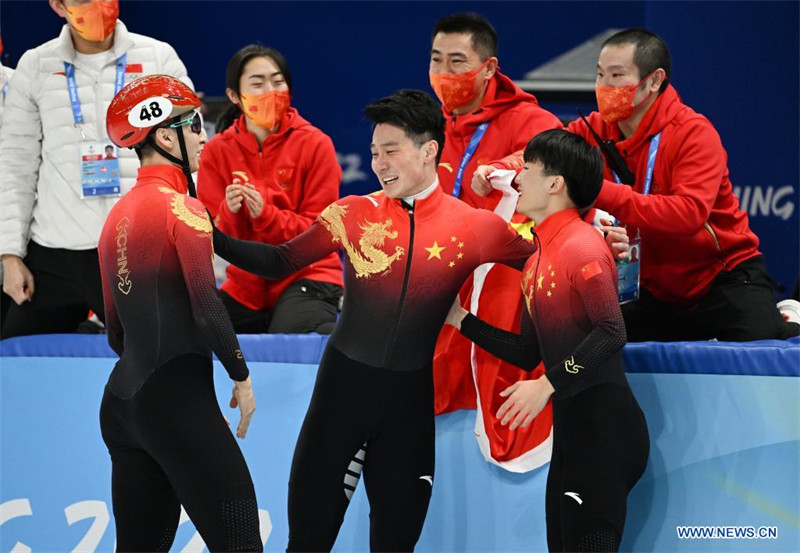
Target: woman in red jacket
[266, 176]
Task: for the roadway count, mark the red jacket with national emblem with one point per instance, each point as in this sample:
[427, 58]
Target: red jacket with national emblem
[296, 172]
[690, 223]
[572, 319]
[403, 268]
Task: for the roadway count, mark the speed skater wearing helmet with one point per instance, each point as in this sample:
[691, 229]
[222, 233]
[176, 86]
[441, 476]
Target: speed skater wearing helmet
[150, 103]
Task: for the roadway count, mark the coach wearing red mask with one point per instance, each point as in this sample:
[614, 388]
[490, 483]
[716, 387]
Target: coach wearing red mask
[266, 176]
[480, 103]
[702, 275]
[58, 184]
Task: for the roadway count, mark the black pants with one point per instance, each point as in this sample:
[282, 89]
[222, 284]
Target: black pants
[5, 305]
[169, 447]
[600, 450]
[305, 306]
[739, 307]
[368, 418]
[67, 285]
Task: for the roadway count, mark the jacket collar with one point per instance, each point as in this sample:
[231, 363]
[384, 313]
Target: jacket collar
[162, 175]
[238, 131]
[424, 208]
[657, 117]
[423, 194]
[123, 42]
[551, 227]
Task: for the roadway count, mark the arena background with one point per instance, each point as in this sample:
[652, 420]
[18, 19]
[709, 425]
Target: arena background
[724, 420]
[735, 62]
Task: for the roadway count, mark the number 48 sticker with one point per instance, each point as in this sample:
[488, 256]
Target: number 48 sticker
[150, 112]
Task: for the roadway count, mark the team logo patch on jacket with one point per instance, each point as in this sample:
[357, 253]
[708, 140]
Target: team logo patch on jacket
[284, 175]
[239, 177]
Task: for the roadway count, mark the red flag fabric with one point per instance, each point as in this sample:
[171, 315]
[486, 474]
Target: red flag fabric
[467, 377]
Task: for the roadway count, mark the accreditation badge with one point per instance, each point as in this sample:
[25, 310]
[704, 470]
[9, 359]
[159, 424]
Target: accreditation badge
[628, 274]
[99, 170]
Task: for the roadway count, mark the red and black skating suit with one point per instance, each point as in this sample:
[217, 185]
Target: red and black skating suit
[572, 322]
[372, 406]
[160, 420]
[403, 268]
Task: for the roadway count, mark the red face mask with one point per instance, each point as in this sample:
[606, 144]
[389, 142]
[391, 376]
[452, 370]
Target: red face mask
[616, 102]
[94, 21]
[266, 110]
[455, 91]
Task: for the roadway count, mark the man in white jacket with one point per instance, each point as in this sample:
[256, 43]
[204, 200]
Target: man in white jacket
[5, 79]
[55, 187]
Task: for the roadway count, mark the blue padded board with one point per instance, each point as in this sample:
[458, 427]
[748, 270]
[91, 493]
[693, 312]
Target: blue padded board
[762, 358]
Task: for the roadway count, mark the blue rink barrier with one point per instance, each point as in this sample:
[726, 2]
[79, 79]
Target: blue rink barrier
[725, 452]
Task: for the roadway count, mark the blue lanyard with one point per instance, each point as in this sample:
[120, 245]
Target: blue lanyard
[72, 86]
[5, 90]
[651, 162]
[471, 147]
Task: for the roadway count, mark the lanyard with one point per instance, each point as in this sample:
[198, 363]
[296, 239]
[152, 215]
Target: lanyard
[651, 162]
[5, 90]
[72, 86]
[471, 147]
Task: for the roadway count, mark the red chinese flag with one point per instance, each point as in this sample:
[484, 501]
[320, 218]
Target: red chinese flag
[591, 270]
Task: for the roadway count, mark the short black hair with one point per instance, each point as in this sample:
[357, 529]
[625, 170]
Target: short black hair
[650, 52]
[143, 151]
[484, 37]
[569, 155]
[109, 146]
[413, 111]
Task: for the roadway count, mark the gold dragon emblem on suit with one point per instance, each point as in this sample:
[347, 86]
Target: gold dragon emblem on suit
[184, 214]
[370, 260]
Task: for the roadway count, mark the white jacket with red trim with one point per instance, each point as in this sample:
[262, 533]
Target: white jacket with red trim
[40, 175]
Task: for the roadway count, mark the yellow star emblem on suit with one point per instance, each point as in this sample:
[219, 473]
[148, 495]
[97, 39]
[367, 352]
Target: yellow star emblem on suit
[435, 251]
[460, 255]
[453, 238]
[539, 282]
